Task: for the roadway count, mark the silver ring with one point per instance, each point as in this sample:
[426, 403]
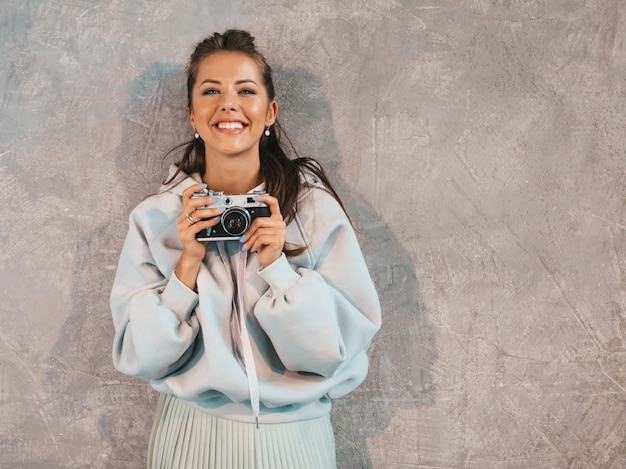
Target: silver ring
[190, 219]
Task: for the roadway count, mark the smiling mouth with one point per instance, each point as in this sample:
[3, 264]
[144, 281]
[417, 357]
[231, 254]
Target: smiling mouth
[230, 125]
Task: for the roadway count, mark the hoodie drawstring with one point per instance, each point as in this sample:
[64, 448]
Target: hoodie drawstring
[242, 338]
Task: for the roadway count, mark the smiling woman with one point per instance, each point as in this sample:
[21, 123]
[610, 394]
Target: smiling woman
[230, 110]
[247, 339]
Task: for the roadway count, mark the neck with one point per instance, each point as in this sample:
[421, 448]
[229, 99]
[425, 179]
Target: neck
[232, 175]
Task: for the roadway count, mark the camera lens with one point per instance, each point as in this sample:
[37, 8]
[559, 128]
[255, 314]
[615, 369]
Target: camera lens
[236, 221]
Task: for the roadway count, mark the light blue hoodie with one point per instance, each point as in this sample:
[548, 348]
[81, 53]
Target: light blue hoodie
[311, 317]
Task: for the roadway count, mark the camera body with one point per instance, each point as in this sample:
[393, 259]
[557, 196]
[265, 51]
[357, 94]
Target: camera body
[240, 211]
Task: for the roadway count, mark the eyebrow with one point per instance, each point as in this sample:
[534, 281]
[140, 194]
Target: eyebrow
[238, 82]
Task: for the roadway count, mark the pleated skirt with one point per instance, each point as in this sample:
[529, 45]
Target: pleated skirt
[184, 437]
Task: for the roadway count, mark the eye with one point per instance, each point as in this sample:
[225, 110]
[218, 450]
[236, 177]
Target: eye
[247, 91]
[210, 91]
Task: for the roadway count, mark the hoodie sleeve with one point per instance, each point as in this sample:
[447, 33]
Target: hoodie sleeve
[152, 312]
[321, 319]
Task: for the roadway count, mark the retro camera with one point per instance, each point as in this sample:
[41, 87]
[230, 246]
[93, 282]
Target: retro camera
[240, 211]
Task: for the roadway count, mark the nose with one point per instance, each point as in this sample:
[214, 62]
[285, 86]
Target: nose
[229, 102]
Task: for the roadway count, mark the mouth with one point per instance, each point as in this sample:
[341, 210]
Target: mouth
[232, 125]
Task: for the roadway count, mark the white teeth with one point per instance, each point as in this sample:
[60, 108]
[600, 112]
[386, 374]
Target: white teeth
[230, 125]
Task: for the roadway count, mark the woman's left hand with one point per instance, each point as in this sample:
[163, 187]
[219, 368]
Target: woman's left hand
[266, 235]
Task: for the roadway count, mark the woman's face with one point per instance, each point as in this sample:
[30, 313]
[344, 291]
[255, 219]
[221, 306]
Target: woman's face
[230, 108]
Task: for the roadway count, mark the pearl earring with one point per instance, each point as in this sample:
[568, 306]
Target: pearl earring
[196, 135]
[267, 132]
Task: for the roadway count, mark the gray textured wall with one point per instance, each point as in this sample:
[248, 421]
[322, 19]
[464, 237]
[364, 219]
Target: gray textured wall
[479, 145]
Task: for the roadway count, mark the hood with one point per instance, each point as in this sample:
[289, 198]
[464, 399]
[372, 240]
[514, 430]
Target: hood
[182, 181]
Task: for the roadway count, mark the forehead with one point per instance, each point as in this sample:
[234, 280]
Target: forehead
[228, 65]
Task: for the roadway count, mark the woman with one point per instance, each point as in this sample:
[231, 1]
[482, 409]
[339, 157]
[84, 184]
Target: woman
[247, 339]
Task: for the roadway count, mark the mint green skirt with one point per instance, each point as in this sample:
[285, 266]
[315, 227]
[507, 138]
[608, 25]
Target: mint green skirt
[184, 437]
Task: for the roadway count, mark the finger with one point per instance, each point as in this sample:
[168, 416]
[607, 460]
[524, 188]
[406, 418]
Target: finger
[206, 213]
[273, 235]
[266, 240]
[272, 203]
[197, 196]
[193, 215]
[200, 203]
[189, 231]
[187, 193]
[264, 223]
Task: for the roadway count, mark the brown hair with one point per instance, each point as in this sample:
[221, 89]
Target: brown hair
[283, 176]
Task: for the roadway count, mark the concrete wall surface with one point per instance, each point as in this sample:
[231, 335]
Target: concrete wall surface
[480, 149]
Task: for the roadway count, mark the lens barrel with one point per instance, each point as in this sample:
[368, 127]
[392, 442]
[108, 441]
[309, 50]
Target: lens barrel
[235, 221]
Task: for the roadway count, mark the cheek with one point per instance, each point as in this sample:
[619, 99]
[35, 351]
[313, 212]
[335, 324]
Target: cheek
[200, 112]
[262, 111]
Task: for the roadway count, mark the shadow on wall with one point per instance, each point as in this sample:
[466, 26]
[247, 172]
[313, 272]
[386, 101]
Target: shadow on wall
[104, 418]
[99, 408]
[404, 349]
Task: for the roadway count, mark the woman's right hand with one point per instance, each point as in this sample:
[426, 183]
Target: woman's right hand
[191, 221]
